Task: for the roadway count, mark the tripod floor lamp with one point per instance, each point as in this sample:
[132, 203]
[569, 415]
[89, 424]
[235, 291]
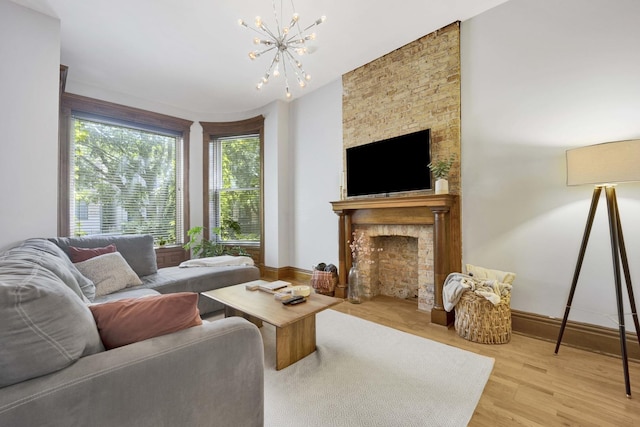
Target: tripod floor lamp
[605, 165]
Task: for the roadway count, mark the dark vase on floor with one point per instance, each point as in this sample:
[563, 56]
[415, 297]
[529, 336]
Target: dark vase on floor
[354, 293]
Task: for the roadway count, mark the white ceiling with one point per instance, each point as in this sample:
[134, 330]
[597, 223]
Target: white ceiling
[192, 55]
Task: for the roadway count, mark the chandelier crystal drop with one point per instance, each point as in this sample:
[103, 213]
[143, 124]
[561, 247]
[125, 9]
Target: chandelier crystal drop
[283, 42]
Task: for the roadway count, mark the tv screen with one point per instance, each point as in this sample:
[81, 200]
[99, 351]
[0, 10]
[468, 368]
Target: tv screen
[390, 166]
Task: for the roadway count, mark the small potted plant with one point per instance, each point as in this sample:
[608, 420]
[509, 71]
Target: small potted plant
[440, 171]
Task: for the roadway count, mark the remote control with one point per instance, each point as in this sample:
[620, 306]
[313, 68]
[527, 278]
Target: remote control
[292, 300]
[298, 301]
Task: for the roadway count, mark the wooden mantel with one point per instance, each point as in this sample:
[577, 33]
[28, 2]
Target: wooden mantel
[441, 211]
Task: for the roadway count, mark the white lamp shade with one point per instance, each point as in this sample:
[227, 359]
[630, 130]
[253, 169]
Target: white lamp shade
[608, 163]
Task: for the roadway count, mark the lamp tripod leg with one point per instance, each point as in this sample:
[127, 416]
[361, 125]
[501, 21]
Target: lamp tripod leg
[627, 274]
[583, 247]
[615, 246]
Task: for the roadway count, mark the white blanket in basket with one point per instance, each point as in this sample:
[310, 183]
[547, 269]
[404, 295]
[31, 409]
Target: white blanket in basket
[457, 283]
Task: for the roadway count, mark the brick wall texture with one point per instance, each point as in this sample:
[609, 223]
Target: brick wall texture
[413, 88]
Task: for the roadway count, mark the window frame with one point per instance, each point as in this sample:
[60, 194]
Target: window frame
[71, 103]
[214, 130]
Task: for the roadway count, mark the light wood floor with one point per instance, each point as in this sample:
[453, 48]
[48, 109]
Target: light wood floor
[529, 385]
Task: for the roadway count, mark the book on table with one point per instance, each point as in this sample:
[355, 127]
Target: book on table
[266, 286]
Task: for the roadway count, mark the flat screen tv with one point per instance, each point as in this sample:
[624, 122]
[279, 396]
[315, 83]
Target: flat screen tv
[390, 166]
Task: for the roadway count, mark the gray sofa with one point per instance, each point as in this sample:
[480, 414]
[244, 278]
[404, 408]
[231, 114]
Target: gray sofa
[54, 370]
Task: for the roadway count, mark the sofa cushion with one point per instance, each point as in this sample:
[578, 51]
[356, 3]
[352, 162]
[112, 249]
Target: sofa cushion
[135, 319]
[109, 272]
[137, 249]
[45, 326]
[83, 254]
[54, 259]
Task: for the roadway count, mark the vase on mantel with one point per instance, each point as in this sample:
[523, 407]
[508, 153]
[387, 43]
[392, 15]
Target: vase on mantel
[442, 186]
[354, 292]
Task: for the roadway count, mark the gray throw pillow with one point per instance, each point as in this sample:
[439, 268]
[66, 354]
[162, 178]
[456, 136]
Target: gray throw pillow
[109, 272]
[45, 326]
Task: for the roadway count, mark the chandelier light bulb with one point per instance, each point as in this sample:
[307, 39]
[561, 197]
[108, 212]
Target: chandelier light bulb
[288, 94]
[307, 77]
[256, 40]
[265, 79]
[258, 22]
[276, 72]
[295, 17]
[253, 55]
[259, 85]
[242, 23]
[301, 83]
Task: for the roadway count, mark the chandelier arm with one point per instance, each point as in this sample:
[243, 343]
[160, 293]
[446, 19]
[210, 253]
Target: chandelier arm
[294, 39]
[262, 52]
[286, 78]
[275, 14]
[295, 64]
[297, 70]
[268, 32]
[292, 60]
[254, 30]
[273, 61]
[264, 30]
[297, 26]
[315, 24]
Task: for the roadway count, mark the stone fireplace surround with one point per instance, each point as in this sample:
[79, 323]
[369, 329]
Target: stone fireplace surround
[410, 216]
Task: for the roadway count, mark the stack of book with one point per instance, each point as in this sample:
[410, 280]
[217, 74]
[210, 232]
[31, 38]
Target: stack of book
[263, 285]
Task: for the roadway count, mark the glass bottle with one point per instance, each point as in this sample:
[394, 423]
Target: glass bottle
[354, 293]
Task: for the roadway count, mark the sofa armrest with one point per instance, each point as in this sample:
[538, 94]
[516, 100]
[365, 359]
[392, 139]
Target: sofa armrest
[207, 375]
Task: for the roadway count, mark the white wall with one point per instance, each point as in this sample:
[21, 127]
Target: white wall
[316, 147]
[277, 194]
[539, 77]
[30, 52]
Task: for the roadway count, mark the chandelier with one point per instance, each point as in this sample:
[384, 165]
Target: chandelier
[283, 41]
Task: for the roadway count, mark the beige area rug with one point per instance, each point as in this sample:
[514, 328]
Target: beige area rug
[365, 374]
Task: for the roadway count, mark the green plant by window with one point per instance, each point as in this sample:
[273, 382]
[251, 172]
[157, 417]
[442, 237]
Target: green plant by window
[440, 168]
[204, 248]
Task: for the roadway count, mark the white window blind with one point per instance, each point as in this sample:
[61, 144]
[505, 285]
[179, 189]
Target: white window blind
[234, 183]
[125, 179]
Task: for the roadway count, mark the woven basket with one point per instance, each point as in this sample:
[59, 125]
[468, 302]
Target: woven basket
[478, 320]
[323, 282]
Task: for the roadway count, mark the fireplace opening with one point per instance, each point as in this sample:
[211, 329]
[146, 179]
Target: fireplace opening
[404, 267]
[397, 272]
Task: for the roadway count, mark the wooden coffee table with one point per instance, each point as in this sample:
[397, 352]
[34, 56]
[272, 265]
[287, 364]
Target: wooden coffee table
[295, 324]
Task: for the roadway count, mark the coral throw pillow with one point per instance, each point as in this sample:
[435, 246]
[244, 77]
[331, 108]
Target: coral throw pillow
[83, 254]
[131, 320]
